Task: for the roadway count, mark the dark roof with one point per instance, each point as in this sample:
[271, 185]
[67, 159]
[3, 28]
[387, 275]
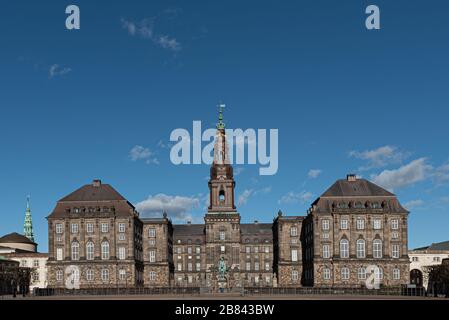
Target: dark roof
[184, 230]
[95, 195]
[439, 246]
[357, 188]
[15, 238]
[256, 229]
[92, 192]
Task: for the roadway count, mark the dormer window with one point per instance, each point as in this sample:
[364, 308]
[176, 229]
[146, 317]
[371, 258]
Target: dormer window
[375, 205]
[359, 205]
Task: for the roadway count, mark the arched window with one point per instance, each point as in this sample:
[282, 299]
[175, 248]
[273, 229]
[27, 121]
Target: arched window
[361, 273]
[105, 250]
[90, 250]
[221, 196]
[344, 248]
[377, 249]
[360, 248]
[378, 274]
[75, 250]
[344, 273]
[326, 274]
[90, 275]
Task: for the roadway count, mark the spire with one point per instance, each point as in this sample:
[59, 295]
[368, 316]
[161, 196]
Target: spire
[28, 223]
[221, 125]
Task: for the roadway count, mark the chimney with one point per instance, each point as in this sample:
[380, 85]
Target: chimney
[351, 177]
[96, 183]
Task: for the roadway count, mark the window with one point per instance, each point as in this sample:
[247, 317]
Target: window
[267, 279]
[59, 275]
[396, 274]
[59, 254]
[361, 273]
[179, 266]
[294, 255]
[104, 227]
[189, 267]
[89, 275]
[152, 255]
[377, 224]
[436, 259]
[256, 249]
[222, 235]
[35, 276]
[326, 274]
[90, 250]
[395, 224]
[198, 250]
[256, 266]
[198, 266]
[179, 250]
[152, 233]
[344, 224]
[267, 249]
[122, 237]
[152, 243]
[58, 239]
[395, 251]
[360, 224]
[121, 227]
[293, 231]
[23, 263]
[360, 248]
[325, 235]
[267, 266]
[325, 225]
[344, 248]
[189, 250]
[378, 274]
[76, 275]
[89, 227]
[105, 274]
[105, 250]
[58, 228]
[344, 273]
[122, 253]
[415, 259]
[326, 251]
[223, 249]
[377, 249]
[395, 235]
[74, 228]
[248, 249]
[295, 275]
[221, 196]
[152, 276]
[36, 263]
[248, 266]
[75, 251]
[122, 274]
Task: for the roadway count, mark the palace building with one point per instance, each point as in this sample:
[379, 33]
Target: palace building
[98, 239]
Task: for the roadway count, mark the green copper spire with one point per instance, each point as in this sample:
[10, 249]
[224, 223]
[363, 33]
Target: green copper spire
[28, 224]
[221, 124]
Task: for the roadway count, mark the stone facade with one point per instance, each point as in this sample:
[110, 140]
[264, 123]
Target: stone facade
[353, 226]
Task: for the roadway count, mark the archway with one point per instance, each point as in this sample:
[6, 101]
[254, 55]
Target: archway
[416, 277]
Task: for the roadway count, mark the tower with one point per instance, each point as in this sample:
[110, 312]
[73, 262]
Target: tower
[221, 183]
[222, 219]
[28, 223]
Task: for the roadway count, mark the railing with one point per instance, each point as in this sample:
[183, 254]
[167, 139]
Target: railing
[255, 291]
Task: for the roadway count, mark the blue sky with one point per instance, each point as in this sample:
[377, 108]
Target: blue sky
[75, 103]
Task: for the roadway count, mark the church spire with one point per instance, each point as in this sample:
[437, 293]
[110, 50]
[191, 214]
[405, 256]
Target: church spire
[221, 125]
[28, 223]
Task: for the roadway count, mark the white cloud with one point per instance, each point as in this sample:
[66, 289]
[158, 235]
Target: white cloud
[416, 171]
[177, 207]
[238, 171]
[56, 70]
[145, 30]
[247, 193]
[379, 157]
[413, 204]
[441, 174]
[141, 153]
[293, 197]
[314, 173]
